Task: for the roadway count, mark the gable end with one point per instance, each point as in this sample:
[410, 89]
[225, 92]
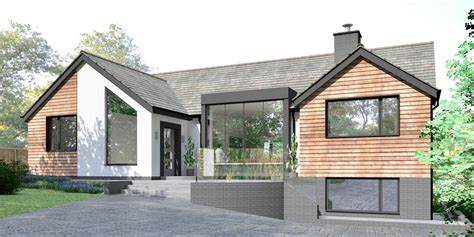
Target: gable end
[361, 52]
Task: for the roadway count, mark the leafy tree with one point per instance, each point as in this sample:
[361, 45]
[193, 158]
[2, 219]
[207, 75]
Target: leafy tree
[115, 45]
[24, 55]
[452, 134]
[461, 70]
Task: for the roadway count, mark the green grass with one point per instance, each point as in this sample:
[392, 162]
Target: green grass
[29, 200]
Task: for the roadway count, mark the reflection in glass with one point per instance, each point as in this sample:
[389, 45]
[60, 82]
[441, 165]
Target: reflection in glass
[353, 117]
[247, 140]
[168, 148]
[362, 195]
[121, 131]
[61, 133]
[389, 116]
[363, 117]
[353, 194]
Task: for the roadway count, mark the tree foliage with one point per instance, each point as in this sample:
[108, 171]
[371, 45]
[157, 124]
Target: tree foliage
[24, 56]
[113, 44]
[452, 134]
[190, 154]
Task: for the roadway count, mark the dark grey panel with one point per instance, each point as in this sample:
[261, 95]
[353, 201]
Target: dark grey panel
[115, 187]
[345, 43]
[172, 114]
[248, 96]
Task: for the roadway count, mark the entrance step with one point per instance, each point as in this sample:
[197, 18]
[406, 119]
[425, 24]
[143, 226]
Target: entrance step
[180, 178]
[174, 188]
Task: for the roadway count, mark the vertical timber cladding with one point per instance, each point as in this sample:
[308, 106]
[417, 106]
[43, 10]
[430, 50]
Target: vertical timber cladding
[63, 102]
[364, 156]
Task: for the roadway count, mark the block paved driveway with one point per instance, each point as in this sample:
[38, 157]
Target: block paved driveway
[122, 215]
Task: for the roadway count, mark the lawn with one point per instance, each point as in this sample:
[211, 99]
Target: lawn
[29, 200]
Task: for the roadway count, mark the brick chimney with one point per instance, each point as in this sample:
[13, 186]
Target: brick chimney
[345, 42]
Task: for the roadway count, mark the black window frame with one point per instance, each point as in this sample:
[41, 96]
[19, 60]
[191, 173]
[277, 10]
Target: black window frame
[380, 196]
[107, 92]
[48, 134]
[379, 119]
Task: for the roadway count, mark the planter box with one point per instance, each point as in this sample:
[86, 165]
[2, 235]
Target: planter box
[190, 172]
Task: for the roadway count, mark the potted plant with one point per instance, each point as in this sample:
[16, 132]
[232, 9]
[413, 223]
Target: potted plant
[189, 156]
[292, 163]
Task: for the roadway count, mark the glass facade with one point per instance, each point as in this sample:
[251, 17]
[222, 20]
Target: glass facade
[245, 141]
[121, 131]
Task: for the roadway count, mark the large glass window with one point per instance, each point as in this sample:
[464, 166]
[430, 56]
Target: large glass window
[363, 117]
[61, 133]
[362, 195]
[247, 139]
[121, 131]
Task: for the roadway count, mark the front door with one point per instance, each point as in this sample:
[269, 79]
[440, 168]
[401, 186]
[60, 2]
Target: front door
[170, 144]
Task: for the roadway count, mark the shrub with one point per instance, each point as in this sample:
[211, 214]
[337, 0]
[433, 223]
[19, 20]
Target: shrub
[63, 184]
[11, 176]
[189, 156]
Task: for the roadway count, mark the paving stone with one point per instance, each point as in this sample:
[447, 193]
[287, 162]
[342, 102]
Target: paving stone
[122, 215]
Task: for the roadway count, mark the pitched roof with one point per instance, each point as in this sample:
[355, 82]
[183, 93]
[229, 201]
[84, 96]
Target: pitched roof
[155, 91]
[151, 92]
[179, 93]
[298, 73]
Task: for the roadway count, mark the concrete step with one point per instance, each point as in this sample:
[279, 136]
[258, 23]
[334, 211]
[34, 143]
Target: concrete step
[176, 188]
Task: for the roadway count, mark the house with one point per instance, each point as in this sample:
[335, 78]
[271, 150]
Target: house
[357, 115]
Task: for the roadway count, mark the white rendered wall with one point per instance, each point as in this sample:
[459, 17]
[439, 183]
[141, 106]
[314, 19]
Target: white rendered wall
[188, 128]
[91, 139]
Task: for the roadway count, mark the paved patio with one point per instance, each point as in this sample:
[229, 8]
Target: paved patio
[121, 215]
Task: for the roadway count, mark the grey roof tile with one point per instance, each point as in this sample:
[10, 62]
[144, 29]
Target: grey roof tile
[153, 90]
[298, 73]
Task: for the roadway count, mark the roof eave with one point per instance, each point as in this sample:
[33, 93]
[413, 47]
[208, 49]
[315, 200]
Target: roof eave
[362, 52]
[73, 67]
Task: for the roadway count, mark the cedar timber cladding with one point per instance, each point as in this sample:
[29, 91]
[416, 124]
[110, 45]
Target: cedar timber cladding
[364, 156]
[63, 102]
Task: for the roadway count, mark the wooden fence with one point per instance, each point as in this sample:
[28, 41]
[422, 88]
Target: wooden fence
[12, 154]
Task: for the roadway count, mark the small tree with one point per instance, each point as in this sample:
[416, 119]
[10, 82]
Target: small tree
[189, 156]
[452, 135]
[292, 163]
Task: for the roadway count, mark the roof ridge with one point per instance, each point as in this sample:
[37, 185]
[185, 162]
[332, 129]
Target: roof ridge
[402, 45]
[241, 64]
[283, 59]
[108, 60]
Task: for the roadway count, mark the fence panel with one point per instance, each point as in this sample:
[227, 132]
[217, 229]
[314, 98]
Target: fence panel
[12, 154]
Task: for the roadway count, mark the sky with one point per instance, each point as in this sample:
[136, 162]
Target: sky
[178, 35]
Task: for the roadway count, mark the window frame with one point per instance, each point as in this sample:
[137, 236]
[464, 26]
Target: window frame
[106, 123]
[380, 198]
[379, 119]
[48, 133]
